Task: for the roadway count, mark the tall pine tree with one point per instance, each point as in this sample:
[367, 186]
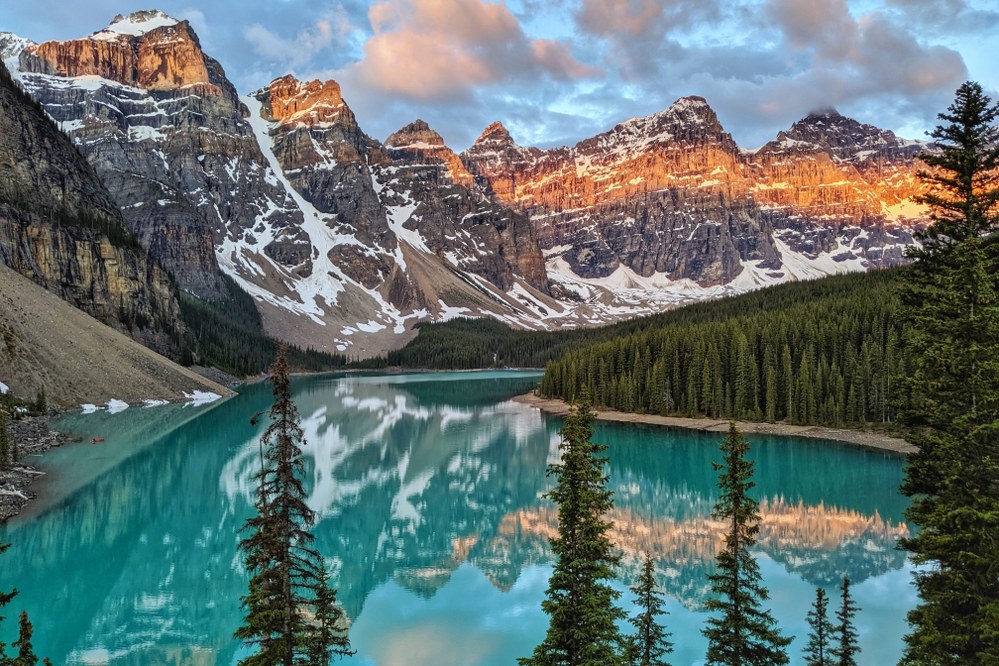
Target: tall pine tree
[846, 647]
[582, 628]
[25, 652]
[739, 631]
[289, 605]
[6, 452]
[951, 348]
[650, 643]
[817, 650]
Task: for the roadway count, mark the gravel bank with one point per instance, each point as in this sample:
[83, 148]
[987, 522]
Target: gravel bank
[32, 436]
[867, 440]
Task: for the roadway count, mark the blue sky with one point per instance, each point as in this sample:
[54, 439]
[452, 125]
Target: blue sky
[557, 71]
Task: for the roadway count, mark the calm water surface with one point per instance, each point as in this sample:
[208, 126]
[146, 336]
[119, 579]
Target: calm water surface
[428, 490]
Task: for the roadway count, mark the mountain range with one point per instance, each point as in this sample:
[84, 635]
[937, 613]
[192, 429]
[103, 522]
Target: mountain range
[346, 242]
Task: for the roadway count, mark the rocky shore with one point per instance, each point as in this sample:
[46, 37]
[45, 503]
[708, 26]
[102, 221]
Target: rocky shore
[32, 436]
[868, 440]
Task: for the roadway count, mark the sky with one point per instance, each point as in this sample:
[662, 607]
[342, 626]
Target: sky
[558, 71]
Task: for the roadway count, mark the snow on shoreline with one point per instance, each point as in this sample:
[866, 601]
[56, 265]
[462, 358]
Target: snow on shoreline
[4, 389]
[114, 406]
[195, 398]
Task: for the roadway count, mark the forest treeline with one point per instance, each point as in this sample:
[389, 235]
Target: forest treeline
[228, 333]
[825, 356]
[463, 344]
[816, 352]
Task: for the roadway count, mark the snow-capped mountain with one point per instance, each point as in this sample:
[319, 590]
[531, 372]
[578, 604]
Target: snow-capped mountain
[346, 242]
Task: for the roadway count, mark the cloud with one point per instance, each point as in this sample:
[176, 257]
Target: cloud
[432, 50]
[942, 16]
[826, 26]
[331, 28]
[619, 17]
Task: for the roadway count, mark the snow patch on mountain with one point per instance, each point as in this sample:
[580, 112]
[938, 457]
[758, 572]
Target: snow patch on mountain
[135, 24]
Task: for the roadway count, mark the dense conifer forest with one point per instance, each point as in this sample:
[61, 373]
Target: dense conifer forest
[826, 358]
[819, 352]
[229, 334]
[462, 344]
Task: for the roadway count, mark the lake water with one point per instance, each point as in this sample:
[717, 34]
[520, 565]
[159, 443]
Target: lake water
[427, 488]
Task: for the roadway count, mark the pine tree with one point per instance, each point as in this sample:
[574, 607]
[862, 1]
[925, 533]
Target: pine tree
[579, 600]
[5, 598]
[650, 643]
[817, 652]
[330, 636]
[25, 651]
[6, 454]
[739, 632]
[846, 648]
[286, 585]
[951, 348]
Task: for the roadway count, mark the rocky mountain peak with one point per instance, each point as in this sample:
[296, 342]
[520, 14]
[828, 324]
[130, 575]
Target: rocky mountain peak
[689, 120]
[417, 135]
[144, 50]
[138, 23]
[495, 135]
[308, 103]
[11, 45]
[418, 143]
[845, 139]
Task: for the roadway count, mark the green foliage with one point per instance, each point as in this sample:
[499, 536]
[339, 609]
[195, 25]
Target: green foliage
[816, 353]
[650, 643]
[817, 650]
[739, 631]
[6, 452]
[290, 607]
[951, 345]
[846, 648]
[25, 651]
[579, 600]
[487, 343]
[229, 334]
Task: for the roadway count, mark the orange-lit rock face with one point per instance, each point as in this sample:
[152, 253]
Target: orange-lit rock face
[418, 142]
[310, 103]
[685, 149]
[672, 194]
[165, 58]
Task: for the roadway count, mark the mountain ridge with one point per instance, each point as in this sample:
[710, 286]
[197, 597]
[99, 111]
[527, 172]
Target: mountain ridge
[654, 212]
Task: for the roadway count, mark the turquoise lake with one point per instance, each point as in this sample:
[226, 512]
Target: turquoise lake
[427, 488]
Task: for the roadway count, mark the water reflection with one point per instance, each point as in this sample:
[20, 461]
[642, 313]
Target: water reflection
[428, 492]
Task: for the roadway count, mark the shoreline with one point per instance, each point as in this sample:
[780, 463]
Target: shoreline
[867, 440]
[33, 436]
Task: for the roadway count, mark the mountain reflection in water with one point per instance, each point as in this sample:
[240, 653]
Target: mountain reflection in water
[428, 491]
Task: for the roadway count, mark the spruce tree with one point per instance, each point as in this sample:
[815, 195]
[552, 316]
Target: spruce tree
[846, 648]
[5, 598]
[25, 652]
[6, 453]
[650, 643]
[951, 348]
[330, 635]
[739, 631]
[286, 591]
[817, 651]
[579, 600]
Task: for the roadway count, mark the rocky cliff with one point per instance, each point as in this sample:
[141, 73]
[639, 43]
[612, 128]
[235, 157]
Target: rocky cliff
[165, 131]
[672, 196]
[346, 242]
[281, 189]
[60, 227]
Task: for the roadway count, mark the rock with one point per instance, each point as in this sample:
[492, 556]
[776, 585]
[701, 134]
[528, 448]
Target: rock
[60, 227]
